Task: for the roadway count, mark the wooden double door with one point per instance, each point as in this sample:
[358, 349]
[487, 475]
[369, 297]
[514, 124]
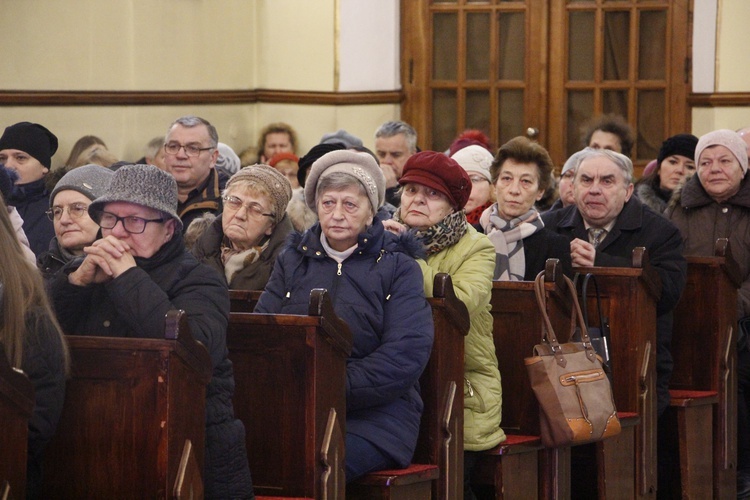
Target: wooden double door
[542, 68]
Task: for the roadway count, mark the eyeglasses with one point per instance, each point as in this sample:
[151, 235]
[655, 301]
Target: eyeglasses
[173, 148]
[477, 179]
[254, 210]
[75, 211]
[131, 223]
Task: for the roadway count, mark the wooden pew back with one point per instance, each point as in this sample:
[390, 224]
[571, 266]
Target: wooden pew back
[130, 405]
[290, 371]
[704, 343]
[16, 407]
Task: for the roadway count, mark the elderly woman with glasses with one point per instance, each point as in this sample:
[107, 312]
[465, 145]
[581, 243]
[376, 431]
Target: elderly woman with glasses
[243, 242]
[128, 280]
[68, 211]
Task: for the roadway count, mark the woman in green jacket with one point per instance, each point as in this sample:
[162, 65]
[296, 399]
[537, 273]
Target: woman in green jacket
[434, 191]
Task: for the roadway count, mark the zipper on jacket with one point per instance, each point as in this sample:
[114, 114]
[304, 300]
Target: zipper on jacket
[471, 389]
[382, 252]
[338, 272]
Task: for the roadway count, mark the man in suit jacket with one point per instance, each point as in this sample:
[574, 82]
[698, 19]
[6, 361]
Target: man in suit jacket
[607, 223]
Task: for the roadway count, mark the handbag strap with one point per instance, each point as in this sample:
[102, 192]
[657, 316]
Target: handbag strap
[548, 333]
[584, 295]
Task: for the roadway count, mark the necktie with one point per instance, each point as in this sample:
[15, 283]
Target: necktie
[596, 235]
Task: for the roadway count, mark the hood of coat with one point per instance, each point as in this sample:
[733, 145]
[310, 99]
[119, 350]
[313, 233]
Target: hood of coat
[370, 242]
[693, 195]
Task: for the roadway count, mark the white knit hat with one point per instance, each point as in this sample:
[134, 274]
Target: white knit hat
[475, 159]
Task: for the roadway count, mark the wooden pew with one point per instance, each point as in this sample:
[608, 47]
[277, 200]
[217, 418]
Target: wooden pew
[705, 361]
[441, 431]
[16, 407]
[290, 375]
[520, 467]
[243, 300]
[629, 297]
[130, 406]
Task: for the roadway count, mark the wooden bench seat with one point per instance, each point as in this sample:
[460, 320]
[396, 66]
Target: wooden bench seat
[412, 483]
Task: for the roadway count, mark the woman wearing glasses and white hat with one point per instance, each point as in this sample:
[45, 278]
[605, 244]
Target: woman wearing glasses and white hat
[132, 276]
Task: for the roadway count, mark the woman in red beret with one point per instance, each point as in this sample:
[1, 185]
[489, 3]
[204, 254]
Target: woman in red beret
[435, 190]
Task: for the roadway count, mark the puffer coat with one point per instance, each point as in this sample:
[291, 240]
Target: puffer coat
[378, 292]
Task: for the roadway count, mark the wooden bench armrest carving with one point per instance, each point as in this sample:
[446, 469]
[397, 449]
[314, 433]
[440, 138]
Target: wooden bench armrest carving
[177, 328]
[321, 305]
[188, 484]
[333, 478]
[553, 275]
[442, 288]
[5, 491]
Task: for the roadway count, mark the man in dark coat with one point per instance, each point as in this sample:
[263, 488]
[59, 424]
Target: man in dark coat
[127, 282]
[604, 226]
[604, 201]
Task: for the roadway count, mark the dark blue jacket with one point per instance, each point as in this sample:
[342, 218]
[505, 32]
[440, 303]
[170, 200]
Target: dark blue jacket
[378, 291]
[32, 201]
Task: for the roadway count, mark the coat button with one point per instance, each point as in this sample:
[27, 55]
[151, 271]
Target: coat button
[365, 240]
[106, 323]
[304, 248]
[317, 252]
[724, 210]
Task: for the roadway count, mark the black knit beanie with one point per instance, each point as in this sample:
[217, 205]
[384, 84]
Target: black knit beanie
[680, 144]
[31, 138]
[315, 152]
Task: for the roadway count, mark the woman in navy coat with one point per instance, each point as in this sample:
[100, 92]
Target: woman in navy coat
[376, 287]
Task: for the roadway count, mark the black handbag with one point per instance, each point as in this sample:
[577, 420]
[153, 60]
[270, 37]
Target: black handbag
[599, 336]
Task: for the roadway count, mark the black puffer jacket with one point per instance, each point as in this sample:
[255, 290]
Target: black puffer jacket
[134, 305]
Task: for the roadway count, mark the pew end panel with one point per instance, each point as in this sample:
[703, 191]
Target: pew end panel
[290, 370]
[133, 403]
[243, 300]
[189, 484]
[704, 348]
[16, 408]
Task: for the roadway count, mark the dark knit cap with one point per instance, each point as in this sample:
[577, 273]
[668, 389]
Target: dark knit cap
[32, 139]
[680, 144]
[315, 152]
[144, 185]
[89, 180]
[439, 172]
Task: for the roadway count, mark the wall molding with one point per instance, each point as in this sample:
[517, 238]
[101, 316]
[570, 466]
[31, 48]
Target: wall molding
[182, 97]
[720, 99]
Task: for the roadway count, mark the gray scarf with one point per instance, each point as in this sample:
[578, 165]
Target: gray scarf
[507, 237]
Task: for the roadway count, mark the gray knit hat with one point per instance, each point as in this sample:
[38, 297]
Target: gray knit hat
[90, 180]
[341, 136]
[274, 181]
[144, 185]
[361, 166]
[727, 138]
[475, 160]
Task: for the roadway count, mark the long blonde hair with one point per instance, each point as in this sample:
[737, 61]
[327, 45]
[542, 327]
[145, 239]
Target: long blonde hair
[23, 291]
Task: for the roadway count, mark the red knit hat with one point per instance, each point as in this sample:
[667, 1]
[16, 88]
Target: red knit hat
[284, 155]
[439, 172]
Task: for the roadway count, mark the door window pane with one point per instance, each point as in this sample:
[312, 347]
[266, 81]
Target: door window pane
[443, 119]
[580, 109]
[445, 46]
[581, 45]
[478, 110]
[512, 44]
[511, 114]
[615, 102]
[616, 45]
[652, 45]
[651, 119]
[478, 46]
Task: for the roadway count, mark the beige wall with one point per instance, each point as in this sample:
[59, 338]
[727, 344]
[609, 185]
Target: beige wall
[145, 45]
[732, 60]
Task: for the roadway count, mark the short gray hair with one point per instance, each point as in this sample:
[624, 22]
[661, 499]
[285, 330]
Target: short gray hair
[619, 159]
[153, 146]
[191, 121]
[338, 181]
[392, 128]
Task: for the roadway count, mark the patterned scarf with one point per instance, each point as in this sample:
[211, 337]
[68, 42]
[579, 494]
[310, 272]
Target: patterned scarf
[235, 260]
[445, 233]
[507, 237]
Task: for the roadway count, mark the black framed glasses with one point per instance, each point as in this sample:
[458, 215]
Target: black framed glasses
[234, 204]
[173, 148]
[75, 211]
[131, 223]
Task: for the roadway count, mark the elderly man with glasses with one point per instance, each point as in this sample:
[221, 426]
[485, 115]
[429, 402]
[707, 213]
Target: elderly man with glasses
[128, 280]
[191, 152]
